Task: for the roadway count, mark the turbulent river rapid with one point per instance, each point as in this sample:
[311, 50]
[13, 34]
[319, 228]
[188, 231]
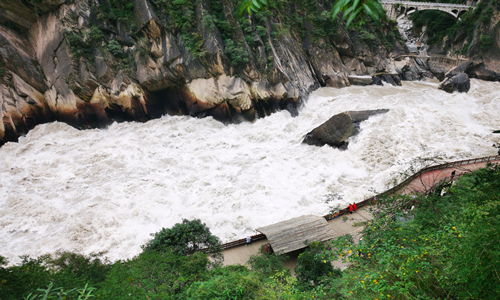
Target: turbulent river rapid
[108, 189]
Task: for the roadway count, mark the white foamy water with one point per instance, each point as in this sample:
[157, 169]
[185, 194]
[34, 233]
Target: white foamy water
[107, 190]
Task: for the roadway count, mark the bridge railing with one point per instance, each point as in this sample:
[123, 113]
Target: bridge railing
[412, 3]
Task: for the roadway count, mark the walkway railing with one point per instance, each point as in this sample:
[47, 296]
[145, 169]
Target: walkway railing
[408, 180]
[391, 191]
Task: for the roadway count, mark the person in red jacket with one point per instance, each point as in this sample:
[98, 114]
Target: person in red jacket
[350, 208]
[355, 208]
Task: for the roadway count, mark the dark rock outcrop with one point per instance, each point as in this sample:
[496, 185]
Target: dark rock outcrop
[74, 61]
[459, 83]
[392, 79]
[339, 128]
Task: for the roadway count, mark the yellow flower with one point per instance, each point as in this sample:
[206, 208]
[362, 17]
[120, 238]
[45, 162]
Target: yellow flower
[459, 235]
[362, 281]
[404, 273]
[416, 271]
[324, 261]
[350, 251]
[350, 292]
[454, 228]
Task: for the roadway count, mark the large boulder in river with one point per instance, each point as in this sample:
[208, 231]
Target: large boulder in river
[459, 82]
[339, 128]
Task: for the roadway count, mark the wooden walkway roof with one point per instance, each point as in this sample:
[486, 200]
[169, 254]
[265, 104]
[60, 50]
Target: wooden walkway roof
[290, 235]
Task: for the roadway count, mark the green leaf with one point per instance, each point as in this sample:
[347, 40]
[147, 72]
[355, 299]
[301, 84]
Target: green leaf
[243, 7]
[348, 11]
[256, 3]
[352, 16]
[338, 7]
[370, 12]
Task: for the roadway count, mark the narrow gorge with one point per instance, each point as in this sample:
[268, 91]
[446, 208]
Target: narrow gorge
[123, 117]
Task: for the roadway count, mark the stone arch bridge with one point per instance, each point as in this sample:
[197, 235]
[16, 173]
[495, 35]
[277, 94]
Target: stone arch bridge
[399, 9]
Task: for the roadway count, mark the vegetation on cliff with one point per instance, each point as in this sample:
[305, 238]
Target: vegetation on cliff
[119, 60]
[418, 247]
[474, 33]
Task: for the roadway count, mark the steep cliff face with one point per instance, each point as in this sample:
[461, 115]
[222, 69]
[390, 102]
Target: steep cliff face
[92, 62]
[475, 37]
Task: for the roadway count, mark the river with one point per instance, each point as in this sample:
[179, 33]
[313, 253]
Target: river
[108, 189]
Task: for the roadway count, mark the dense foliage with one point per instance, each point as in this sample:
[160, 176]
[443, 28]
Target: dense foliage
[445, 248]
[472, 30]
[417, 247]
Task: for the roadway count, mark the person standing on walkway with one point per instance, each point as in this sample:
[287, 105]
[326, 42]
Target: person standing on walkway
[452, 175]
[355, 208]
[249, 239]
[350, 208]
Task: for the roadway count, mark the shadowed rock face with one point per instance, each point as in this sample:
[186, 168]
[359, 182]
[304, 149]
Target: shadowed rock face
[459, 83]
[339, 128]
[45, 77]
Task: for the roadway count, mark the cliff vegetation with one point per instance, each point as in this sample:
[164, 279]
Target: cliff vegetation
[90, 63]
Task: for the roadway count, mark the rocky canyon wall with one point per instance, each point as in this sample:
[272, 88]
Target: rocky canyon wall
[91, 62]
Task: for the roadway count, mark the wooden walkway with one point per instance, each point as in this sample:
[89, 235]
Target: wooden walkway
[420, 182]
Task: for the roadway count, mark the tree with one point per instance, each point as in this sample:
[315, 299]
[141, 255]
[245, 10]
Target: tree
[186, 238]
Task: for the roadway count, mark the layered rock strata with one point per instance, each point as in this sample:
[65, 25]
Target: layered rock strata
[88, 64]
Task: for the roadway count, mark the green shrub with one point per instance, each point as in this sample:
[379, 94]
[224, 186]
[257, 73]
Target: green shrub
[19, 281]
[312, 269]
[267, 264]
[485, 42]
[236, 53]
[231, 282]
[77, 45]
[115, 48]
[75, 269]
[185, 238]
[95, 33]
[154, 275]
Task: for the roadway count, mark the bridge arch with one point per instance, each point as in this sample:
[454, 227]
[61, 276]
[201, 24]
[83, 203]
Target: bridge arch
[399, 9]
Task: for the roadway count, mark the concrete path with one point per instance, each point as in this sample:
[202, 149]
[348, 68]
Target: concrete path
[351, 223]
[429, 179]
